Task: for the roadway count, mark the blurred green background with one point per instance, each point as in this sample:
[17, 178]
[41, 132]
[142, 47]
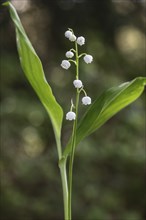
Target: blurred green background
[110, 164]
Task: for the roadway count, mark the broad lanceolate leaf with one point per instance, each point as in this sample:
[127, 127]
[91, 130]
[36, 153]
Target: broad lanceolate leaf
[107, 105]
[33, 70]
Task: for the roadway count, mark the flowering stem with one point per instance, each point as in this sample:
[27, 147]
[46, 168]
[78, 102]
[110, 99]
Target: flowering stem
[77, 61]
[73, 144]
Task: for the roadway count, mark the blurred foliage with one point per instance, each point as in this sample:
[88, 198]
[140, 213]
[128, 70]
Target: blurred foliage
[109, 165]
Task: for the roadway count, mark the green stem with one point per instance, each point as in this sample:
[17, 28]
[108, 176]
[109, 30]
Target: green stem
[73, 141]
[62, 166]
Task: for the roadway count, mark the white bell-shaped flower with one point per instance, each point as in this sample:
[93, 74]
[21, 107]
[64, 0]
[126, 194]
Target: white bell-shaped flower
[68, 34]
[86, 100]
[70, 116]
[72, 37]
[77, 83]
[69, 54]
[88, 58]
[65, 64]
[81, 40]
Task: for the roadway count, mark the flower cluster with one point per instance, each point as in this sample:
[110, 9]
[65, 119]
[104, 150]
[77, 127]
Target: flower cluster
[69, 54]
[86, 100]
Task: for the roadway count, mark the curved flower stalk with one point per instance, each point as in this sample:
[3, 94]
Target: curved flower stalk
[65, 64]
[86, 100]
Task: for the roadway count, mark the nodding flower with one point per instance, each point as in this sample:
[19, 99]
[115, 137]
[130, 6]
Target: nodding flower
[65, 64]
[72, 37]
[81, 40]
[88, 58]
[70, 116]
[68, 34]
[78, 83]
[86, 100]
[69, 54]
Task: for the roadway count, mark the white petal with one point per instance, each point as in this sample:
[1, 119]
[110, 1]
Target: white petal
[86, 100]
[81, 40]
[70, 116]
[69, 54]
[77, 83]
[65, 64]
[68, 34]
[88, 58]
[72, 37]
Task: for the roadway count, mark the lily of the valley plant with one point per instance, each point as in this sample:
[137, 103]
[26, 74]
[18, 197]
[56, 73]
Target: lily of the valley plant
[97, 113]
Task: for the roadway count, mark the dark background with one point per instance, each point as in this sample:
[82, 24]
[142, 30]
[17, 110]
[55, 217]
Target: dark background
[110, 164]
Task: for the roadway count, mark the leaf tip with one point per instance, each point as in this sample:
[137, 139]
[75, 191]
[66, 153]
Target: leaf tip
[144, 81]
[6, 3]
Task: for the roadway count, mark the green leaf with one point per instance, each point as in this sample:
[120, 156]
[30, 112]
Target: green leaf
[108, 104]
[33, 70]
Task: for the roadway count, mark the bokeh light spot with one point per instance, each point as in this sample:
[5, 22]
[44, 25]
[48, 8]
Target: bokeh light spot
[33, 145]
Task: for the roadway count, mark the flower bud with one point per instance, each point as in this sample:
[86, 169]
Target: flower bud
[70, 116]
[69, 54]
[72, 37]
[81, 40]
[65, 64]
[77, 83]
[68, 34]
[88, 59]
[86, 100]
